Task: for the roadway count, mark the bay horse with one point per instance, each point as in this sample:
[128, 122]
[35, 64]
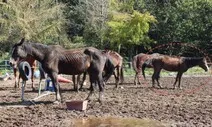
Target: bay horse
[32, 62]
[60, 61]
[174, 64]
[117, 61]
[137, 63]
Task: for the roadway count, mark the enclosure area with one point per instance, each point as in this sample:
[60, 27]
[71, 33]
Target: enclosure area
[190, 106]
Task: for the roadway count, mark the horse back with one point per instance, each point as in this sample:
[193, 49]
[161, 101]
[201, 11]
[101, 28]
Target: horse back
[116, 58]
[168, 63]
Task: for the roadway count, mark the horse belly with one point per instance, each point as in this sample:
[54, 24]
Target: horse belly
[71, 69]
[171, 67]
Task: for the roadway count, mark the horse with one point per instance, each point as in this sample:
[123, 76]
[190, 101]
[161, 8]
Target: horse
[174, 64]
[32, 63]
[117, 61]
[60, 61]
[99, 63]
[137, 63]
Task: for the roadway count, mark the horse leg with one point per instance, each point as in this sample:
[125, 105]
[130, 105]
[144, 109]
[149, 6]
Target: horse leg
[180, 76]
[153, 79]
[101, 88]
[32, 78]
[15, 75]
[176, 80]
[91, 90]
[157, 79]
[56, 86]
[135, 80]
[78, 82]
[83, 80]
[19, 78]
[116, 76]
[138, 78]
[74, 82]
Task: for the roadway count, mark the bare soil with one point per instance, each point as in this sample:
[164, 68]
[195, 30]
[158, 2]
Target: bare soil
[189, 106]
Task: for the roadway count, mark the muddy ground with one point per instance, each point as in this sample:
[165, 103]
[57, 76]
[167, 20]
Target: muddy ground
[191, 106]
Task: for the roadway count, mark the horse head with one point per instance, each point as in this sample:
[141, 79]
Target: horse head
[203, 64]
[18, 52]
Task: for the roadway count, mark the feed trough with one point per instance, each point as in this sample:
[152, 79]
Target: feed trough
[76, 105]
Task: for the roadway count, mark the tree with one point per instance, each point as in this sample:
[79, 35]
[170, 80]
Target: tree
[127, 26]
[38, 20]
[87, 21]
[186, 21]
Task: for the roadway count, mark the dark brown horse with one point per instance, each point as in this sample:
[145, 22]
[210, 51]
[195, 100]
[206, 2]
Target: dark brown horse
[137, 63]
[117, 62]
[32, 63]
[175, 64]
[69, 62]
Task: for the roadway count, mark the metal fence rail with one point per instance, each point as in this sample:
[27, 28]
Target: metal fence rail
[4, 65]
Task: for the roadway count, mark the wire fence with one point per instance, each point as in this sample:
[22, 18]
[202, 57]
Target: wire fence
[4, 65]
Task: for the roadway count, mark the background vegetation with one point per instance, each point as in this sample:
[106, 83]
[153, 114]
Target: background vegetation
[126, 26]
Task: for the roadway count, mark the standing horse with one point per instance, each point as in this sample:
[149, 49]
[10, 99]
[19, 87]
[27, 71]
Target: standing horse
[58, 61]
[175, 64]
[137, 63]
[32, 63]
[98, 64]
[117, 61]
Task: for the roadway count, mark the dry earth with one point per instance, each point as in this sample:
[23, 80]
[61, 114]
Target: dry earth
[191, 106]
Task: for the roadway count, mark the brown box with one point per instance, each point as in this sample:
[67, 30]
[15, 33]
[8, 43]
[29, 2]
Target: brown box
[76, 104]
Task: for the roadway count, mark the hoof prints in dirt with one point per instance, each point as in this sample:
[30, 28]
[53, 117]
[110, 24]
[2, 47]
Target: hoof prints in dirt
[175, 108]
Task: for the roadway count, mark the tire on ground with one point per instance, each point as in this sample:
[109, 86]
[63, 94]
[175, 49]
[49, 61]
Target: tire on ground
[25, 70]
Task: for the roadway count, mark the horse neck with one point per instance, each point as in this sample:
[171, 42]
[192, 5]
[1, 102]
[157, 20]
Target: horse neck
[191, 62]
[36, 50]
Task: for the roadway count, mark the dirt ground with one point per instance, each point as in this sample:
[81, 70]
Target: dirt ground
[190, 106]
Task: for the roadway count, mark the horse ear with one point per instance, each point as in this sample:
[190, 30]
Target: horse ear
[22, 41]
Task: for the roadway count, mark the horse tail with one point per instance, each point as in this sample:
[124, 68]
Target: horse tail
[122, 74]
[144, 65]
[109, 69]
[134, 63]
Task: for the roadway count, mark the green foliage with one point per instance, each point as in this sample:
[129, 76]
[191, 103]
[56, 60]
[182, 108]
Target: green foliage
[38, 20]
[186, 21]
[128, 26]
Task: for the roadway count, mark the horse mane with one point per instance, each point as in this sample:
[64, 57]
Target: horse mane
[27, 45]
